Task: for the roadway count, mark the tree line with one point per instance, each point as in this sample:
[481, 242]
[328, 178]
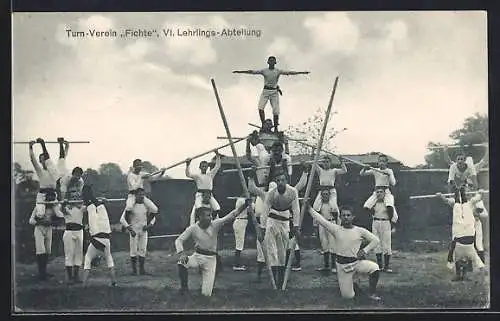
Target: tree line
[110, 181]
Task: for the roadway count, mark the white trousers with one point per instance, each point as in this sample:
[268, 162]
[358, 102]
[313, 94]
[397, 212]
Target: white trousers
[139, 244]
[326, 239]
[73, 248]
[43, 239]
[290, 244]
[382, 229]
[152, 208]
[239, 227]
[273, 97]
[346, 273]
[333, 200]
[388, 200]
[207, 264]
[276, 241]
[260, 253]
[92, 252]
[479, 235]
[467, 252]
[198, 199]
[259, 208]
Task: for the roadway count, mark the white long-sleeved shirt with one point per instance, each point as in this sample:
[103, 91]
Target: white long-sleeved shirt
[327, 176]
[271, 76]
[347, 240]
[381, 179]
[138, 219]
[265, 158]
[73, 214]
[261, 173]
[484, 213]
[135, 181]
[326, 211]
[277, 202]
[205, 239]
[205, 181]
[98, 219]
[459, 177]
[46, 177]
[463, 217]
[380, 212]
[49, 213]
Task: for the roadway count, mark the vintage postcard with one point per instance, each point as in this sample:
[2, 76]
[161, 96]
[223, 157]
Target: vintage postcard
[250, 161]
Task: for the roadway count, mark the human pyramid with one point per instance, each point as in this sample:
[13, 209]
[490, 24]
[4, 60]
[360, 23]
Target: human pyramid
[269, 201]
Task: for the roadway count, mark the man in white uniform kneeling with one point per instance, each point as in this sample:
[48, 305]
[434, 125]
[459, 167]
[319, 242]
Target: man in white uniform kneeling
[204, 234]
[349, 255]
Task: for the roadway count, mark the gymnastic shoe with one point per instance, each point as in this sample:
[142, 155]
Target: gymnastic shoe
[323, 269]
[374, 297]
[239, 268]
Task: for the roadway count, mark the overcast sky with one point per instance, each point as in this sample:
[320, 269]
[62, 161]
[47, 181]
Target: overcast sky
[406, 78]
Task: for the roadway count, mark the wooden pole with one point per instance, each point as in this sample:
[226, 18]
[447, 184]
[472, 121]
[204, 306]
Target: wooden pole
[200, 155]
[246, 169]
[55, 142]
[447, 194]
[163, 236]
[419, 170]
[242, 179]
[288, 138]
[236, 197]
[310, 180]
[456, 146]
[81, 201]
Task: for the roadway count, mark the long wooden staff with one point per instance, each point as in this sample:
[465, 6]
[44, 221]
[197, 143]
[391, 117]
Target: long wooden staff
[242, 179]
[199, 155]
[310, 180]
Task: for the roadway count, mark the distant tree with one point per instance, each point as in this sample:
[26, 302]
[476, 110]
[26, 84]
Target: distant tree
[148, 167]
[19, 172]
[111, 179]
[473, 131]
[310, 130]
[91, 177]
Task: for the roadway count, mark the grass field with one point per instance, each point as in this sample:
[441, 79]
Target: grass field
[420, 281]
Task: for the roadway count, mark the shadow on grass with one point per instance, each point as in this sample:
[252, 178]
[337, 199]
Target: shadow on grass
[104, 298]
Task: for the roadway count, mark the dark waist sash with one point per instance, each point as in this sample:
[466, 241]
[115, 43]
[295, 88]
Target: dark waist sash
[74, 227]
[279, 210]
[278, 217]
[98, 245]
[242, 218]
[205, 252]
[328, 187]
[380, 219]
[381, 186]
[465, 240]
[46, 190]
[204, 190]
[272, 88]
[345, 259]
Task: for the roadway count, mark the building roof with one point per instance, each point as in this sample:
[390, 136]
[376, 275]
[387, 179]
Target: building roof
[368, 158]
